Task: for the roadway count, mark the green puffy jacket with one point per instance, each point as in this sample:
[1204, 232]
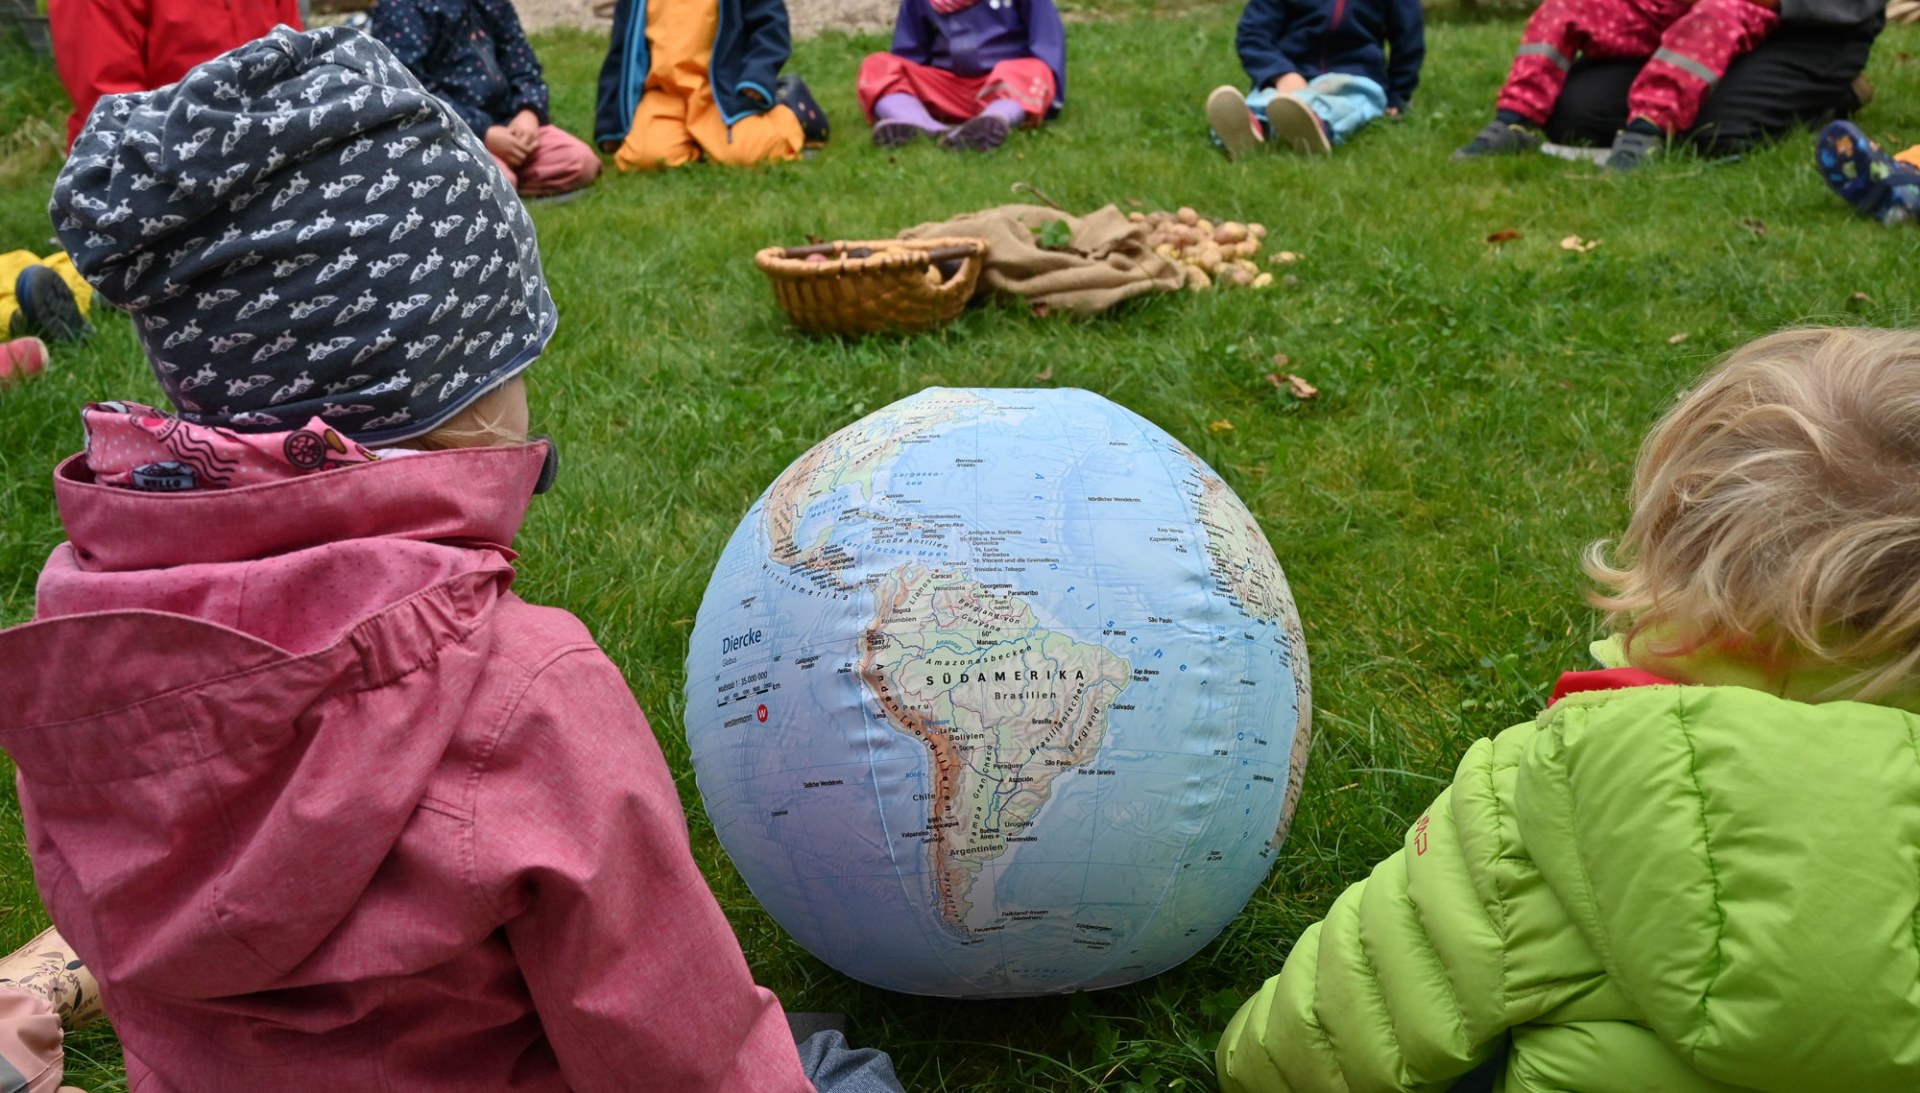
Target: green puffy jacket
[1664, 889]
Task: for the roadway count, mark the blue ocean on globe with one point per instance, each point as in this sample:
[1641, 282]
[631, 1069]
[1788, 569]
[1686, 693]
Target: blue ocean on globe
[999, 693]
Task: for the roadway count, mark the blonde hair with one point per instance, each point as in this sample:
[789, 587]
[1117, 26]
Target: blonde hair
[1776, 513]
[486, 422]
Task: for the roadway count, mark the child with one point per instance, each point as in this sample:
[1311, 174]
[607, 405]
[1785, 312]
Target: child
[108, 47]
[1694, 871]
[687, 80]
[965, 72]
[1320, 69]
[473, 54]
[324, 804]
[1689, 44]
[1884, 187]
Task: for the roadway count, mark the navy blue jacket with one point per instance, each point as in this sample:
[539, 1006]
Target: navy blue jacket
[1383, 40]
[471, 53]
[749, 49]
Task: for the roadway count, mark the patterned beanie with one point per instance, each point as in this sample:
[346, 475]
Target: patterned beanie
[299, 228]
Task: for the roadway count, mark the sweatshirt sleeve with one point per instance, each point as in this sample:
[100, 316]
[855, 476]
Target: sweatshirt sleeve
[1418, 972]
[914, 32]
[1047, 40]
[1262, 27]
[527, 85]
[769, 42]
[1406, 50]
[581, 844]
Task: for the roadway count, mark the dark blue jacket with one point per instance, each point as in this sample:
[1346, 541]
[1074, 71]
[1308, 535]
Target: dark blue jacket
[471, 53]
[749, 49]
[1383, 40]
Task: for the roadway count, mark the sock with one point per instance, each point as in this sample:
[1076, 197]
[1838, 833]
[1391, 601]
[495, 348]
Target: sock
[901, 106]
[1006, 110]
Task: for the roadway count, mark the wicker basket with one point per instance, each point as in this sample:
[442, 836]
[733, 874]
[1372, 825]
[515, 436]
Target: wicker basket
[900, 285]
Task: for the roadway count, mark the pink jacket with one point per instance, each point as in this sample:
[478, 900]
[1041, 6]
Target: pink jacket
[327, 807]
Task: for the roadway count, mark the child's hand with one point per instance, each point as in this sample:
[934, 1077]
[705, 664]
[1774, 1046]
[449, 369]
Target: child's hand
[1292, 81]
[527, 124]
[512, 148]
[1394, 112]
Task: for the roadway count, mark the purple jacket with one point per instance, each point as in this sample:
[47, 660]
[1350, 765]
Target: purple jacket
[971, 41]
[327, 807]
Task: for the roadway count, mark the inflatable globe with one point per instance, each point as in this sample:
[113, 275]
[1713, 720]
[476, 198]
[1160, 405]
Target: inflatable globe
[997, 693]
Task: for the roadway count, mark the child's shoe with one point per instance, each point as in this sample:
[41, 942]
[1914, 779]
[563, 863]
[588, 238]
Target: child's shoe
[1501, 138]
[1866, 177]
[792, 93]
[1633, 146]
[979, 134]
[1238, 128]
[21, 359]
[1292, 122]
[894, 134]
[46, 306]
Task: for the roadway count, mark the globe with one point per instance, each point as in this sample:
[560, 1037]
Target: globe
[999, 693]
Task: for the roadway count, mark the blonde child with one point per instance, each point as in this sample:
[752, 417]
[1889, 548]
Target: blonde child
[324, 804]
[1694, 871]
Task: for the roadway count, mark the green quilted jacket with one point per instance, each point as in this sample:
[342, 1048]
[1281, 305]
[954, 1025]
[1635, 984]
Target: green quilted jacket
[1663, 889]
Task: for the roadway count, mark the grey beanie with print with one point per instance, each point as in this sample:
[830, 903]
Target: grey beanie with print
[298, 227]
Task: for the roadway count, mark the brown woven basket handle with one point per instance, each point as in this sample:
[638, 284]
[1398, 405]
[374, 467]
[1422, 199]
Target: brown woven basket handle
[937, 254]
[942, 254]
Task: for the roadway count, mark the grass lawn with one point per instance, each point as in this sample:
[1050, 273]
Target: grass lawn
[1479, 410]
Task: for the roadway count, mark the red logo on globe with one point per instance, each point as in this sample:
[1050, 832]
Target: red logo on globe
[761, 713]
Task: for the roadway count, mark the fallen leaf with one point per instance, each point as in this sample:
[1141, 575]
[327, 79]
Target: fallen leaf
[1754, 226]
[1274, 379]
[814, 239]
[1565, 385]
[1045, 375]
[1578, 245]
[1038, 308]
[1504, 235]
[1862, 298]
[1284, 257]
[1222, 426]
[1281, 360]
[1677, 338]
[1301, 389]
[1136, 203]
[1290, 281]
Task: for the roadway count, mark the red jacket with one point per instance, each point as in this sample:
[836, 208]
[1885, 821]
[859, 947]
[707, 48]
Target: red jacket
[327, 807]
[107, 47]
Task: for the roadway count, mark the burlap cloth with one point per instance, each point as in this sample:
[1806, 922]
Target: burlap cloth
[1107, 261]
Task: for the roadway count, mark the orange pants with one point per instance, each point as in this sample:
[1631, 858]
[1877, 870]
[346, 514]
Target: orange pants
[677, 121]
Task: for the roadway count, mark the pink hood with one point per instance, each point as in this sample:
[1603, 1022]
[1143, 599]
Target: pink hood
[254, 605]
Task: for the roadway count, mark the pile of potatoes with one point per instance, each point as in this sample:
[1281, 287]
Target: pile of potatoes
[1213, 254]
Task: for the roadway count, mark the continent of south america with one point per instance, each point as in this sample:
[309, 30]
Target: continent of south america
[1003, 706]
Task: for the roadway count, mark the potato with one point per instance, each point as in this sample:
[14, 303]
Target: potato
[1230, 232]
[1186, 215]
[1204, 227]
[1239, 276]
[1136, 218]
[1198, 281]
[1166, 250]
[1263, 280]
[1258, 231]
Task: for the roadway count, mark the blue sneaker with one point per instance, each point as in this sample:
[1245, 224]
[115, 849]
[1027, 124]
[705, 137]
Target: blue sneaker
[1866, 177]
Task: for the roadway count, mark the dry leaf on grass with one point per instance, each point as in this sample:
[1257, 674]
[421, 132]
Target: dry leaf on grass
[1754, 226]
[1038, 308]
[1301, 389]
[1578, 245]
[1281, 360]
[1222, 426]
[1504, 235]
[1677, 338]
[1862, 298]
[1045, 375]
[1285, 257]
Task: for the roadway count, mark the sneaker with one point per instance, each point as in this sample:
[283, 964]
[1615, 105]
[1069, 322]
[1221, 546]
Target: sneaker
[1238, 128]
[1865, 177]
[895, 134]
[46, 306]
[1501, 138]
[1292, 122]
[792, 93]
[1632, 149]
[979, 134]
[21, 359]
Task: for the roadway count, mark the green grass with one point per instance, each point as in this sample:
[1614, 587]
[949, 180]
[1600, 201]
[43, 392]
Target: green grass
[1479, 412]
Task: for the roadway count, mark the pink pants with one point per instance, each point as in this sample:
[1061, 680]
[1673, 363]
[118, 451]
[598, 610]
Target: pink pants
[1689, 46]
[560, 162]
[30, 1058]
[1025, 80]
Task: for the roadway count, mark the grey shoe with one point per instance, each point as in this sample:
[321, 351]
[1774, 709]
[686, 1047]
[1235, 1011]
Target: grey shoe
[1633, 149]
[1500, 138]
[1227, 114]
